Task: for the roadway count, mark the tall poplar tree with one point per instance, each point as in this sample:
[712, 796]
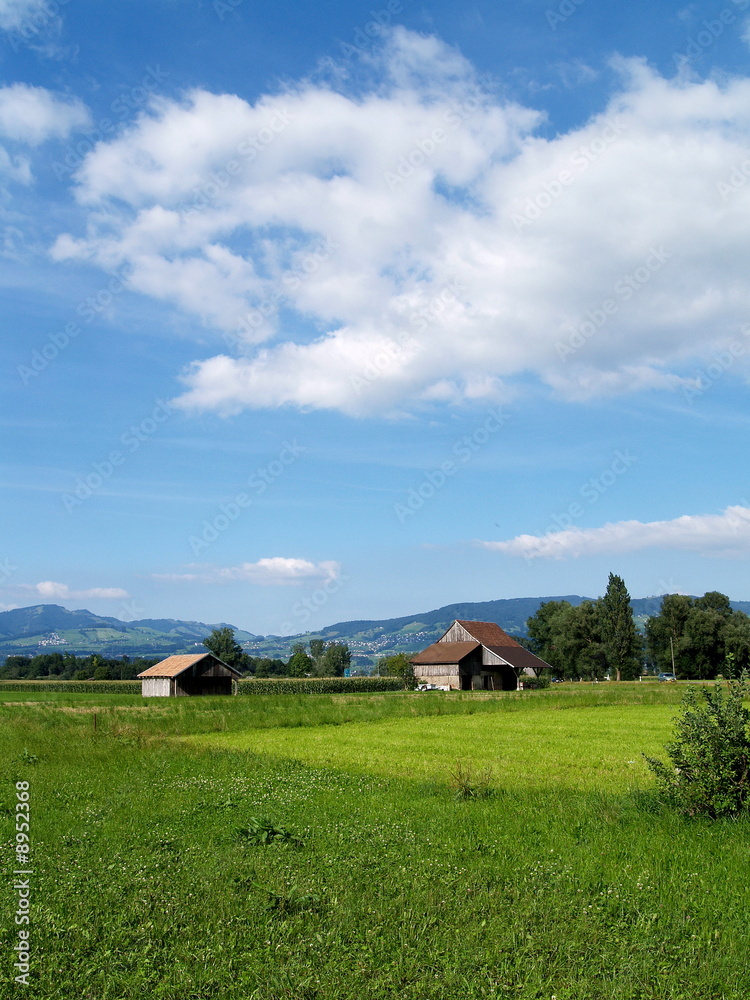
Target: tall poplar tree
[621, 641]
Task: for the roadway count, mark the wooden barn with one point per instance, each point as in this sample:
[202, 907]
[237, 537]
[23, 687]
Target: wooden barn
[202, 673]
[475, 656]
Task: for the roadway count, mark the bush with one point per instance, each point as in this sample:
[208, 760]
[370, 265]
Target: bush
[709, 773]
[535, 683]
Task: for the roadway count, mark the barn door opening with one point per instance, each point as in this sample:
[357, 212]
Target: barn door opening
[466, 682]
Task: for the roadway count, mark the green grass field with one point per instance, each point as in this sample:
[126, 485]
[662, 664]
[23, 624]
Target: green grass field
[569, 881]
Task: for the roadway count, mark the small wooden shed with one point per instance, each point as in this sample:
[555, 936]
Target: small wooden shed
[202, 673]
[475, 655]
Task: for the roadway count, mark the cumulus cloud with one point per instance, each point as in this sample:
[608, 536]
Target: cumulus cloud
[270, 572]
[423, 241]
[34, 114]
[61, 591]
[723, 535]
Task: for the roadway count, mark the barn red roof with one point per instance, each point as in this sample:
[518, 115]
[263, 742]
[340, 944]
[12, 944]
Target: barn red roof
[489, 634]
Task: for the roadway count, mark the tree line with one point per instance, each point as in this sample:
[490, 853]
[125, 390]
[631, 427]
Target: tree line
[697, 637]
[69, 667]
[322, 660]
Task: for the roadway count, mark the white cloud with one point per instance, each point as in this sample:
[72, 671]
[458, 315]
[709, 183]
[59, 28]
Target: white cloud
[14, 168]
[61, 591]
[33, 114]
[719, 535]
[14, 14]
[269, 572]
[425, 241]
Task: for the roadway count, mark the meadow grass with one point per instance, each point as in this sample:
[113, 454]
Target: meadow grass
[570, 881]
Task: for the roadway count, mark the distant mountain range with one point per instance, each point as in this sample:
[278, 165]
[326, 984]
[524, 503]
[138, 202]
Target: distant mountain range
[47, 628]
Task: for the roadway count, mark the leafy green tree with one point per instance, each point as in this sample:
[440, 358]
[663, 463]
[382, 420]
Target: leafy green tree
[664, 633]
[267, 667]
[46, 665]
[580, 646]
[737, 644]
[398, 665]
[702, 643]
[317, 649]
[569, 638]
[336, 659]
[620, 639]
[545, 630]
[300, 664]
[712, 600]
[222, 643]
[706, 634]
[16, 667]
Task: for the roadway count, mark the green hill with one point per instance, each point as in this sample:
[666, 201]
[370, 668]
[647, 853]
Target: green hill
[49, 627]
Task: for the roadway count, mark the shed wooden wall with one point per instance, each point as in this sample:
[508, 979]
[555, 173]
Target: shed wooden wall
[156, 687]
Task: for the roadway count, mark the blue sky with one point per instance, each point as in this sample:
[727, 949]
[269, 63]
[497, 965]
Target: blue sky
[327, 311]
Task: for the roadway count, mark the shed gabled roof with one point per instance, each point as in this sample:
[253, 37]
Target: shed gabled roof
[175, 665]
[489, 634]
[445, 652]
[519, 657]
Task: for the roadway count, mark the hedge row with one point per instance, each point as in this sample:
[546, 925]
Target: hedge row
[319, 685]
[261, 685]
